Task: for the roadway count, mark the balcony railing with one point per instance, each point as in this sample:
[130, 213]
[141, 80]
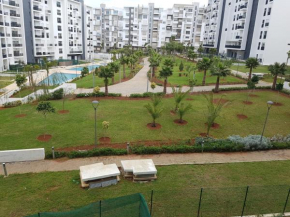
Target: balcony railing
[17, 45]
[233, 46]
[16, 54]
[72, 52]
[208, 45]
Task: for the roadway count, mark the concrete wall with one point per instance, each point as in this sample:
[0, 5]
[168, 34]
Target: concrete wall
[22, 155]
[286, 85]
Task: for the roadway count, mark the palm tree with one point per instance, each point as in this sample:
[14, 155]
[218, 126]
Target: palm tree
[179, 96]
[191, 54]
[251, 64]
[182, 110]
[115, 67]
[106, 73]
[123, 61]
[30, 69]
[277, 69]
[204, 65]
[212, 51]
[154, 59]
[219, 69]
[154, 109]
[47, 66]
[165, 72]
[200, 49]
[168, 62]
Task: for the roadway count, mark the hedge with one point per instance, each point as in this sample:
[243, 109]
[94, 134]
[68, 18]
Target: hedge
[244, 88]
[145, 95]
[100, 94]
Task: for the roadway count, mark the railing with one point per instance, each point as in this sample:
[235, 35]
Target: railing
[233, 46]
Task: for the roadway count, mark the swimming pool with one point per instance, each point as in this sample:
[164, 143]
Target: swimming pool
[91, 67]
[58, 78]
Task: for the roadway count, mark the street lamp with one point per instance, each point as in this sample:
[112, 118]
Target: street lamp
[95, 105]
[269, 105]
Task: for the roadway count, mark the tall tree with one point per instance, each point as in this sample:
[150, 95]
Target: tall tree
[251, 63]
[165, 72]
[30, 70]
[124, 60]
[48, 65]
[106, 73]
[115, 66]
[212, 51]
[204, 65]
[200, 50]
[220, 69]
[277, 69]
[154, 59]
[20, 80]
[191, 54]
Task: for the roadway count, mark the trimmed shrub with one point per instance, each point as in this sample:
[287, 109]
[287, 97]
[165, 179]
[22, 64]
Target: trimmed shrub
[58, 94]
[144, 95]
[100, 94]
[244, 88]
[252, 142]
[12, 104]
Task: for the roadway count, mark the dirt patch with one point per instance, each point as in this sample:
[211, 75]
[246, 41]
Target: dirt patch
[105, 140]
[189, 99]
[203, 134]
[277, 104]
[216, 101]
[158, 126]
[247, 102]
[214, 126]
[242, 117]
[253, 95]
[2, 108]
[177, 121]
[63, 111]
[44, 138]
[172, 112]
[20, 115]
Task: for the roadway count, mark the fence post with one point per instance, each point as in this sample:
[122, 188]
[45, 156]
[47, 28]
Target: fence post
[53, 154]
[286, 202]
[199, 204]
[247, 190]
[151, 205]
[5, 170]
[100, 208]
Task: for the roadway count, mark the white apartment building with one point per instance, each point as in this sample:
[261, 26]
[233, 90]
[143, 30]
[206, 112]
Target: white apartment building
[249, 28]
[12, 37]
[54, 29]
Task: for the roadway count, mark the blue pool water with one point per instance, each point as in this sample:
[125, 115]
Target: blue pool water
[91, 67]
[58, 78]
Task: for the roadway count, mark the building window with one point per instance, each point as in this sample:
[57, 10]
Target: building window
[58, 4]
[265, 34]
[265, 11]
[259, 45]
[261, 33]
[269, 11]
[263, 22]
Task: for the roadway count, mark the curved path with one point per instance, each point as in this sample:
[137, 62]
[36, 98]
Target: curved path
[138, 84]
[160, 159]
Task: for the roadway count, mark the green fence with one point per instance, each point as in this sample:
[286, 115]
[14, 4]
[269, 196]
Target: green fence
[127, 206]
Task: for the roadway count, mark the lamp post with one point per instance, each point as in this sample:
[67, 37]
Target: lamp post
[288, 53]
[95, 105]
[269, 105]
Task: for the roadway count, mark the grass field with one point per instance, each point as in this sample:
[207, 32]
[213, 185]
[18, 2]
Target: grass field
[4, 83]
[176, 79]
[87, 82]
[128, 120]
[176, 191]
[259, 69]
[28, 90]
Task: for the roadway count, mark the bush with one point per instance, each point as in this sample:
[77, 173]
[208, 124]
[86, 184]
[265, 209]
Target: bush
[100, 94]
[58, 94]
[244, 88]
[12, 104]
[252, 142]
[144, 95]
[45, 97]
[280, 138]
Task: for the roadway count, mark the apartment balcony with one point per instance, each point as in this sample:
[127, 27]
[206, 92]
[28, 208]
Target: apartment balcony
[36, 8]
[4, 56]
[3, 45]
[240, 27]
[48, 11]
[16, 35]
[233, 46]
[39, 36]
[17, 54]
[37, 1]
[38, 18]
[208, 45]
[2, 34]
[11, 3]
[17, 45]
[76, 52]
[14, 15]
[242, 17]
[243, 7]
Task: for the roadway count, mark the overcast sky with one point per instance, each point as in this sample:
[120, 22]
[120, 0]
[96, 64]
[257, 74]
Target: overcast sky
[124, 3]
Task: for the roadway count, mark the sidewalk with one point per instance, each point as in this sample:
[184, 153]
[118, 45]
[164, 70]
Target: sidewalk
[161, 159]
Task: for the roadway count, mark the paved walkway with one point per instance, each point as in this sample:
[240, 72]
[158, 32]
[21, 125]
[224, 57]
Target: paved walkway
[163, 159]
[138, 84]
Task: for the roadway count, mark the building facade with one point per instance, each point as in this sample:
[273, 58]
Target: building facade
[12, 37]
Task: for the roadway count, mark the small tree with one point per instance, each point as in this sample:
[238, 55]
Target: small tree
[105, 125]
[48, 65]
[204, 65]
[179, 96]
[277, 69]
[165, 72]
[20, 80]
[106, 73]
[154, 109]
[181, 66]
[153, 85]
[85, 71]
[213, 111]
[45, 108]
[219, 69]
[115, 66]
[182, 110]
[251, 64]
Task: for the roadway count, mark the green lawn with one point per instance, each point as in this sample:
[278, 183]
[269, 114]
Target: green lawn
[176, 191]
[259, 69]
[28, 90]
[181, 78]
[87, 82]
[128, 120]
[4, 83]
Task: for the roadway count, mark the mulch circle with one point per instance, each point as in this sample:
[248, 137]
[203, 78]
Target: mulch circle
[253, 95]
[63, 111]
[44, 138]
[277, 104]
[105, 140]
[20, 116]
[158, 126]
[203, 134]
[177, 121]
[214, 126]
[247, 102]
[216, 101]
[172, 112]
[242, 117]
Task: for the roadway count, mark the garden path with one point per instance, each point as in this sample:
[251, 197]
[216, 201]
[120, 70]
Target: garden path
[160, 159]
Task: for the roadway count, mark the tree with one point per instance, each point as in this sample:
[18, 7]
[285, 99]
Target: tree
[154, 109]
[20, 80]
[191, 54]
[182, 110]
[114, 53]
[200, 50]
[181, 66]
[251, 64]
[277, 69]
[219, 69]
[165, 72]
[45, 108]
[189, 69]
[30, 69]
[115, 66]
[154, 59]
[48, 65]
[213, 111]
[106, 73]
[204, 65]
[84, 71]
[123, 61]
[179, 96]
[168, 62]
[212, 51]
